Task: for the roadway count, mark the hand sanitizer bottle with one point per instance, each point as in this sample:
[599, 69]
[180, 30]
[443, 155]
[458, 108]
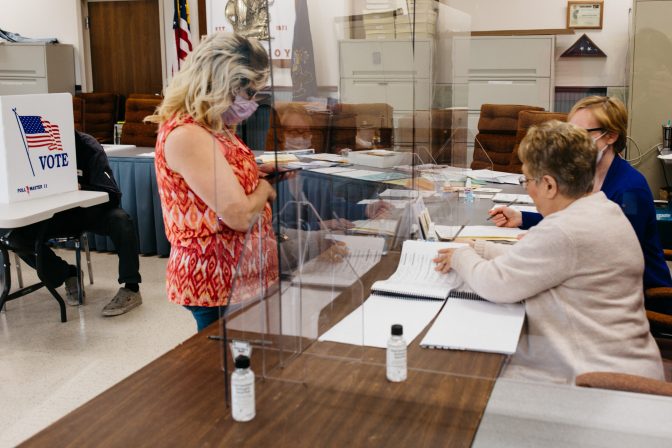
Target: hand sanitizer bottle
[242, 391]
[396, 355]
[468, 192]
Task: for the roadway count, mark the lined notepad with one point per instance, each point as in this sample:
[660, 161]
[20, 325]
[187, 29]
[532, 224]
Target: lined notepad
[478, 232]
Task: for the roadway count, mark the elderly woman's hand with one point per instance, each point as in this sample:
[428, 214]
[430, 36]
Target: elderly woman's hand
[378, 209]
[506, 217]
[443, 260]
[336, 252]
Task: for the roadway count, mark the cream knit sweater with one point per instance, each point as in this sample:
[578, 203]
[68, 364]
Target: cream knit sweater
[580, 274]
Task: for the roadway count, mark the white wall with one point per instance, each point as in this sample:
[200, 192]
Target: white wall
[490, 15]
[46, 18]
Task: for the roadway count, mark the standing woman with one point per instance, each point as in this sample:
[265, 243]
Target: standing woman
[208, 179]
[606, 120]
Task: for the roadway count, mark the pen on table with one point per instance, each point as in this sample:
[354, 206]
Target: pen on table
[499, 208]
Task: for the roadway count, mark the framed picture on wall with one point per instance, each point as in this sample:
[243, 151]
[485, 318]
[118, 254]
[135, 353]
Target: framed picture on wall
[584, 14]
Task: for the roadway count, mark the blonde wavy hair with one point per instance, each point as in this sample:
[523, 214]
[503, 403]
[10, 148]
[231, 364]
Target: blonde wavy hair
[610, 113]
[220, 67]
[563, 151]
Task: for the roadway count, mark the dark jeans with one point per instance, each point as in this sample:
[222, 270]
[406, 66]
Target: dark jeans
[101, 219]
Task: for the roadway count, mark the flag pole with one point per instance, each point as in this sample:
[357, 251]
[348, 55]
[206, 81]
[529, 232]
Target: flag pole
[23, 138]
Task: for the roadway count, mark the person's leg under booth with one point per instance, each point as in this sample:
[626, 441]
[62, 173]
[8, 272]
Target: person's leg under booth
[118, 225]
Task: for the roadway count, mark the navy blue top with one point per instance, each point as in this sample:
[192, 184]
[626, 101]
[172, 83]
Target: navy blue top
[628, 188]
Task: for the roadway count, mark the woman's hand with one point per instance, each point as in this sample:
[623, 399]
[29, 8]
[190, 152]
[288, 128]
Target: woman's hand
[506, 217]
[267, 189]
[443, 260]
[378, 210]
[336, 252]
[336, 224]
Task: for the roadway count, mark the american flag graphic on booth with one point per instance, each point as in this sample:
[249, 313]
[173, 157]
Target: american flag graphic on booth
[41, 133]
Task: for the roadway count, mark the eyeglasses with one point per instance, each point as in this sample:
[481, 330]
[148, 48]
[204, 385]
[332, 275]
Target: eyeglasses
[594, 130]
[251, 93]
[523, 181]
[298, 132]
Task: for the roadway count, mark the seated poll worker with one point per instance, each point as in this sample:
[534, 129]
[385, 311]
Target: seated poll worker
[335, 212]
[93, 174]
[605, 119]
[584, 300]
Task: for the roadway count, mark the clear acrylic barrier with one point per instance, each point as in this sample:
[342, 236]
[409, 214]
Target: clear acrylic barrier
[404, 92]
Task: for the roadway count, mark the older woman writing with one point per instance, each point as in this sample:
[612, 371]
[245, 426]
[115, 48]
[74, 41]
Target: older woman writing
[583, 300]
[208, 179]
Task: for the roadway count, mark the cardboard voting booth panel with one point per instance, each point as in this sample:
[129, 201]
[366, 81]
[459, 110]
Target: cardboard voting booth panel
[37, 146]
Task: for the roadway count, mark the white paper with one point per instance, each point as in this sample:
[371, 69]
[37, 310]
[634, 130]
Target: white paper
[508, 197]
[364, 252]
[332, 170]
[494, 232]
[477, 325]
[370, 324]
[416, 275]
[392, 193]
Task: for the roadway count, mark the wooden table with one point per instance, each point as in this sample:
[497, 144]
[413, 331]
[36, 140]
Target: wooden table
[316, 400]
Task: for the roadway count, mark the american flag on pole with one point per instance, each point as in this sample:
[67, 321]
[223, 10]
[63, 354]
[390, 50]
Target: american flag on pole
[181, 26]
[40, 133]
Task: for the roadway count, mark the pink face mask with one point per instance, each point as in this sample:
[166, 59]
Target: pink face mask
[240, 110]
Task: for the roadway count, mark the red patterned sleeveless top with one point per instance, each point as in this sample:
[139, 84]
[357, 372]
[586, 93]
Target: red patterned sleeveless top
[205, 254]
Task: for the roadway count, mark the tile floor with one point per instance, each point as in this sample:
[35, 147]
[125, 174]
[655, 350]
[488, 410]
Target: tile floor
[49, 368]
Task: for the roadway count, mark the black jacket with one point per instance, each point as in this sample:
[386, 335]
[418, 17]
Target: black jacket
[93, 170]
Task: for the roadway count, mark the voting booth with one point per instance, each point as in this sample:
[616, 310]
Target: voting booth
[37, 146]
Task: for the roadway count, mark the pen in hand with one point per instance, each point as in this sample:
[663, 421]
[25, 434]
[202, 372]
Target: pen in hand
[508, 204]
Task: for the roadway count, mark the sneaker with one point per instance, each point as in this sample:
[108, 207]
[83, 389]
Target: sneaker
[71, 294]
[123, 302]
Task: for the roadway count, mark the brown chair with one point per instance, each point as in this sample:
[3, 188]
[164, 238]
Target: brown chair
[496, 138]
[78, 113]
[527, 119]
[135, 131]
[100, 114]
[624, 382]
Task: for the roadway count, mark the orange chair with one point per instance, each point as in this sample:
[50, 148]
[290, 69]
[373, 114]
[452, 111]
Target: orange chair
[100, 114]
[135, 131]
[624, 382]
[527, 119]
[496, 138]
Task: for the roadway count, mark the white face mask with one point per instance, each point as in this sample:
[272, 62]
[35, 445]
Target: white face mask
[298, 142]
[600, 151]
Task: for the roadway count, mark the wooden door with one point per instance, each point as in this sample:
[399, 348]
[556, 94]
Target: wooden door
[125, 46]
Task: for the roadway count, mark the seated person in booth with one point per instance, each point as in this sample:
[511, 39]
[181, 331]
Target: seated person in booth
[584, 301]
[208, 179]
[335, 212]
[606, 120]
[93, 174]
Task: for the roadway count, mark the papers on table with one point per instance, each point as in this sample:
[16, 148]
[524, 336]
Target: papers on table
[375, 226]
[509, 197]
[325, 157]
[333, 170]
[396, 203]
[147, 154]
[276, 157]
[467, 324]
[310, 165]
[364, 252]
[370, 324]
[409, 194]
[498, 177]
[478, 232]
